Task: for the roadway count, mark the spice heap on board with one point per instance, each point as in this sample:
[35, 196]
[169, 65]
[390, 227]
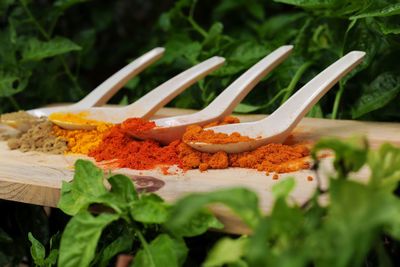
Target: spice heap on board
[114, 146]
[80, 141]
[196, 133]
[40, 138]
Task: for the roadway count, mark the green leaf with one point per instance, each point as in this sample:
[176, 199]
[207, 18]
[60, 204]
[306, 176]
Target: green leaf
[65, 4]
[214, 34]
[350, 155]
[122, 188]
[240, 200]
[165, 21]
[122, 244]
[80, 238]
[384, 164]
[351, 230]
[4, 5]
[161, 251]
[312, 4]
[248, 52]
[36, 50]
[86, 188]
[37, 250]
[196, 225]
[256, 9]
[12, 82]
[226, 251]
[246, 108]
[51, 258]
[149, 209]
[181, 46]
[379, 9]
[379, 93]
[4, 237]
[283, 188]
[390, 25]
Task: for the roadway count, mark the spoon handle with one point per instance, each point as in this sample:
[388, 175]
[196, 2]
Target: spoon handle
[224, 104]
[148, 104]
[288, 115]
[102, 93]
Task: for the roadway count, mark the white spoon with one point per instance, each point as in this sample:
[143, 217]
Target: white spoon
[148, 104]
[107, 89]
[101, 94]
[172, 128]
[277, 127]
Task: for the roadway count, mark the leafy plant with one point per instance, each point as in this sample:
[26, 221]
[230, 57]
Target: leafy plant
[46, 49]
[357, 227]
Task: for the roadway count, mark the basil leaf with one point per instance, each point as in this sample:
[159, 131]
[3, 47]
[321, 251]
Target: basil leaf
[37, 250]
[36, 50]
[379, 9]
[122, 188]
[81, 235]
[384, 164]
[196, 225]
[350, 155]
[161, 251]
[379, 93]
[226, 251]
[283, 188]
[149, 209]
[12, 82]
[86, 188]
[122, 244]
[240, 200]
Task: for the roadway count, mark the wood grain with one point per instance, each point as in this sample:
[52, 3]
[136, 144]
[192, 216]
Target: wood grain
[36, 178]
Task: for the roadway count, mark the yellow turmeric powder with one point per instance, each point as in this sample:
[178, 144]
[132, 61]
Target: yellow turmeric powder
[80, 118]
[82, 141]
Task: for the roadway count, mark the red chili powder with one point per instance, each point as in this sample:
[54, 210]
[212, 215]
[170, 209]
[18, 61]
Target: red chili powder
[137, 125]
[127, 152]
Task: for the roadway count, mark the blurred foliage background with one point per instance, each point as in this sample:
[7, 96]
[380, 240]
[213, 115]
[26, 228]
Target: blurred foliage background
[57, 51]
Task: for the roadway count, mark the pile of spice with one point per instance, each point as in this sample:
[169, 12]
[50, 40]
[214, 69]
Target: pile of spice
[119, 149]
[276, 158]
[196, 133]
[116, 146]
[80, 141]
[124, 151]
[40, 138]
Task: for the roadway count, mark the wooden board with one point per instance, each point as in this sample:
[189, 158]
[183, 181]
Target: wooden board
[36, 177]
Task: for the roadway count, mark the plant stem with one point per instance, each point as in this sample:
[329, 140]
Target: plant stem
[145, 246]
[14, 103]
[341, 84]
[34, 20]
[289, 90]
[192, 22]
[337, 100]
[48, 38]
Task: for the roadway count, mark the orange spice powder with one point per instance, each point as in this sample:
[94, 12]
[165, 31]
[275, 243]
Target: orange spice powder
[196, 133]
